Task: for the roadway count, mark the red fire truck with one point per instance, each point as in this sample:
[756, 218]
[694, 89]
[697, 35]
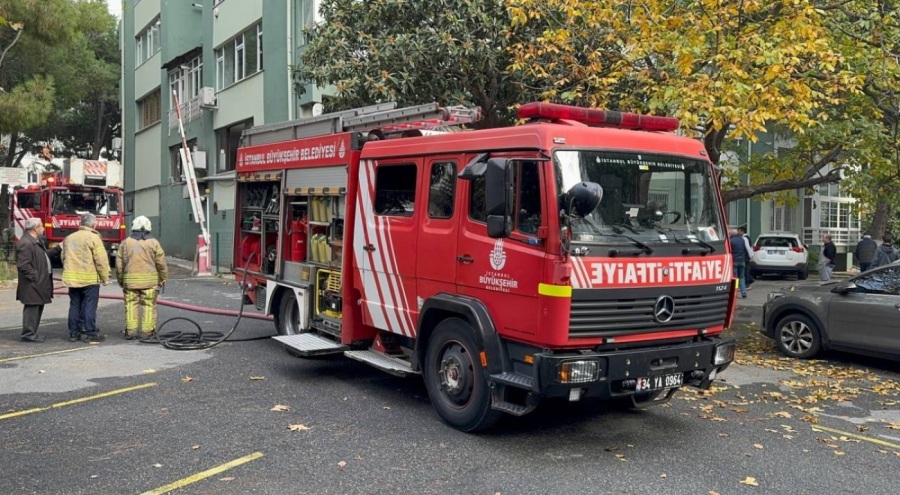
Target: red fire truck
[582, 254]
[83, 186]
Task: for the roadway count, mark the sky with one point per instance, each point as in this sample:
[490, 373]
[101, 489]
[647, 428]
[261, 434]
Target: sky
[115, 7]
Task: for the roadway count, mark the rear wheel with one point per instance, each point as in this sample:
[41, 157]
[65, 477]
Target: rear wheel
[803, 274]
[287, 321]
[455, 380]
[797, 336]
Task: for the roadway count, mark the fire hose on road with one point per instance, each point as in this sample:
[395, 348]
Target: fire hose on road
[190, 340]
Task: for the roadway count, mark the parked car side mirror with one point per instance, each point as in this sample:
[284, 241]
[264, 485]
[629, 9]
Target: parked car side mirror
[843, 287]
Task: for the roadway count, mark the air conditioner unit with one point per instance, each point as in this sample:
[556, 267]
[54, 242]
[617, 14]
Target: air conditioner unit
[199, 159]
[208, 97]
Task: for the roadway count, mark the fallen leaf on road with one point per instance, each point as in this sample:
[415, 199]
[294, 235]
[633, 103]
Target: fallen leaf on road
[862, 428]
[187, 379]
[838, 452]
[749, 481]
[713, 493]
[41, 371]
[342, 464]
[298, 427]
[195, 447]
[387, 407]
[621, 457]
[254, 378]
[758, 445]
[662, 475]
[610, 449]
[157, 465]
[150, 370]
[893, 426]
[279, 407]
[783, 414]
[809, 418]
[229, 478]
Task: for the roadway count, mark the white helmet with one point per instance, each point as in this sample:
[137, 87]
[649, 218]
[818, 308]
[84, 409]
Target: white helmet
[141, 223]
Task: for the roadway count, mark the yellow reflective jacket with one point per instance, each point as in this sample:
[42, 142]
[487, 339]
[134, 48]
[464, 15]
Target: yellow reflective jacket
[85, 261]
[141, 263]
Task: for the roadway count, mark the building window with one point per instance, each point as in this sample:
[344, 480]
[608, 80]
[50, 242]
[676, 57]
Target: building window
[177, 166]
[186, 80]
[148, 42]
[228, 139]
[239, 57]
[150, 111]
[838, 215]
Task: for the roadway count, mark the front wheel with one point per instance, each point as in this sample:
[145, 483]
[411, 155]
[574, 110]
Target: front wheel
[797, 336]
[288, 319]
[455, 380]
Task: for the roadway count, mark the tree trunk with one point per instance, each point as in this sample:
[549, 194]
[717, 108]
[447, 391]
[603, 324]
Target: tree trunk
[882, 215]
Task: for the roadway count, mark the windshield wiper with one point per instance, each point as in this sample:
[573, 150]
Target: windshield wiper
[644, 248]
[695, 240]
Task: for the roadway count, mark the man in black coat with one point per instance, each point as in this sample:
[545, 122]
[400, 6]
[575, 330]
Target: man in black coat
[865, 252]
[35, 278]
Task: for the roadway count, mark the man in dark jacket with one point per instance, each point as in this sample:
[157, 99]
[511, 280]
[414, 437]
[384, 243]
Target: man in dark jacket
[865, 252]
[886, 253]
[738, 258]
[748, 275]
[826, 263]
[35, 282]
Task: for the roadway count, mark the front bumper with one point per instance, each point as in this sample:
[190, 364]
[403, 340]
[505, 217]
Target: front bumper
[619, 370]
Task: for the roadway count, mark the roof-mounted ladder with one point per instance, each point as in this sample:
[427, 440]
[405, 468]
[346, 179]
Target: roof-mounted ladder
[385, 118]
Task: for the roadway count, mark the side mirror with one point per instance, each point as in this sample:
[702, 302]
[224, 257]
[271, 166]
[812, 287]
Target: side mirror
[498, 196]
[844, 287]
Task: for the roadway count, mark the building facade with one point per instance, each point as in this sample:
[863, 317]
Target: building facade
[811, 213]
[228, 62]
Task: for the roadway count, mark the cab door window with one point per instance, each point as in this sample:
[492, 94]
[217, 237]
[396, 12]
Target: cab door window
[395, 190]
[442, 190]
[29, 200]
[527, 198]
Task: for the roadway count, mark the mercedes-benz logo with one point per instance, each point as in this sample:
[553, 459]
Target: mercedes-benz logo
[664, 309]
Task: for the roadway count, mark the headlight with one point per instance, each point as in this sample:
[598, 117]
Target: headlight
[578, 371]
[724, 354]
[774, 295]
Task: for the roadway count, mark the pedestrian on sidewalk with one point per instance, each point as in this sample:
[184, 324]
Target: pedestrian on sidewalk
[748, 275]
[141, 271]
[85, 268]
[738, 257]
[35, 287]
[865, 252]
[886, 253]
[826, 258]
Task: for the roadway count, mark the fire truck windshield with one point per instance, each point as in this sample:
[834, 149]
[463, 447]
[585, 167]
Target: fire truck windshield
[646, 198]
[96, 202]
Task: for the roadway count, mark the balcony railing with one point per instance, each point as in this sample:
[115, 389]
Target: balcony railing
[190, 110]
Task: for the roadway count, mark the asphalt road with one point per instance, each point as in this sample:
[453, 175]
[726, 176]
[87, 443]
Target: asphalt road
[123, 417]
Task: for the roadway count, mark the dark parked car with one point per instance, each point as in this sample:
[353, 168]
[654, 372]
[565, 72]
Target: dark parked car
[860, 315]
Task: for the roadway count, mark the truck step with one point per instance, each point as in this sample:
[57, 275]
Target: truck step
[389, 364]
[510, 408]
[514, 379]
[310, 344]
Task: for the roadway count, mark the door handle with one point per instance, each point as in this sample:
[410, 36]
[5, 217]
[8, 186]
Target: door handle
[465, 259]
[370, 248]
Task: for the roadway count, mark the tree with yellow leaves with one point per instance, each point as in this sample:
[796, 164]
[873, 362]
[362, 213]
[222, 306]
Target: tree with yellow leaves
[725, 68]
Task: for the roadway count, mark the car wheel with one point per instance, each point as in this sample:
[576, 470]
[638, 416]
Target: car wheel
[803, 274]
[455, 380]
[797, 336]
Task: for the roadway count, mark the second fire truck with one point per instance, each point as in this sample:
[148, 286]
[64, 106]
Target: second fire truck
[582, 254]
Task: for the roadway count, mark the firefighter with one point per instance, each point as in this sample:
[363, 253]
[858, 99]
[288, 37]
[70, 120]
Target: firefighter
[141, 271]
[85, 267]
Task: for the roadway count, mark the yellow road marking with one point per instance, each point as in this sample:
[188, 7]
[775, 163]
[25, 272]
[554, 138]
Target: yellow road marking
[75, 401]
[854, 435]
[203, 474]
[32, 356]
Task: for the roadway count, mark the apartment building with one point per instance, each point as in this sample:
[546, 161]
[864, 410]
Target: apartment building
[229, 63]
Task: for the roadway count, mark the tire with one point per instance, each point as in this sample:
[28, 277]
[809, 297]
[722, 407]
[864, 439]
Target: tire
[455, 380]
[803, 274]
[797, 336]
[288, 319]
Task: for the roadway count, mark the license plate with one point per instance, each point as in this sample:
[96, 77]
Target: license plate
[659, 382]
[774, 251]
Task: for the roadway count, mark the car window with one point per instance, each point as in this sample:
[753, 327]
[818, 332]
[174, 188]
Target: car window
[885, 281]
[785, 242]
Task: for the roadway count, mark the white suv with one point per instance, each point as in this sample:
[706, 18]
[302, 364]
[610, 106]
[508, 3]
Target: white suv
[780, 252]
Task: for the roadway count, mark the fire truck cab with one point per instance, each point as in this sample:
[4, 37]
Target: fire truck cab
[582, 254]
[60, 199]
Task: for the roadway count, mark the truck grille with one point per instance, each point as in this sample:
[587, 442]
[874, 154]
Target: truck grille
[105, 234]
[595, 313]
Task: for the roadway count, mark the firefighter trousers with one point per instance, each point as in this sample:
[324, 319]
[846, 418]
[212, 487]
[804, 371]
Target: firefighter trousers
[145, 299]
